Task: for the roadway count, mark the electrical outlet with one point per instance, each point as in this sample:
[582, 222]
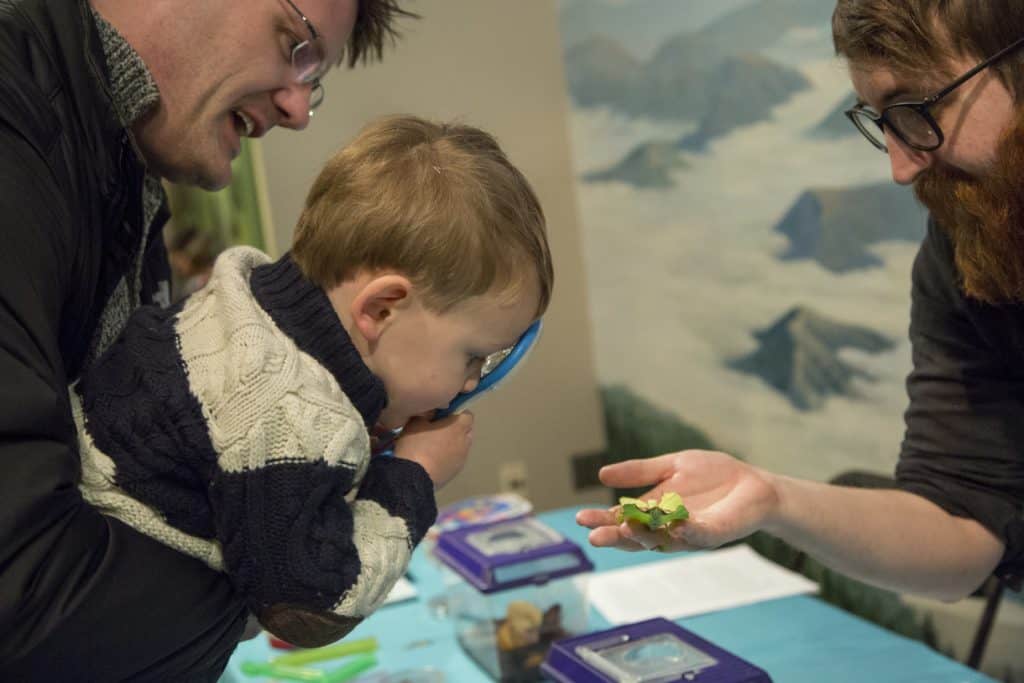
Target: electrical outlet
[585, 467]
[512, 477]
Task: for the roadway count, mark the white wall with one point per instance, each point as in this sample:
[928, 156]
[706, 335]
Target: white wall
[496, 65]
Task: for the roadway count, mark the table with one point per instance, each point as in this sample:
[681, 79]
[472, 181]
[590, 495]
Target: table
[796, 639]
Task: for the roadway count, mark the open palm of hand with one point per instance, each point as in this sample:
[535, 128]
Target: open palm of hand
[727, 499]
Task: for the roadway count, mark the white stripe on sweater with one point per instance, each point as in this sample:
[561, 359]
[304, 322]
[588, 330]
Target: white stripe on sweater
[264, 400]
[97, 487]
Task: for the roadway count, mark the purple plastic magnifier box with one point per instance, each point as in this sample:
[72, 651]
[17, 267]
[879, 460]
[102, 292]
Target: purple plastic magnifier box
[695, 660]
[511, 553]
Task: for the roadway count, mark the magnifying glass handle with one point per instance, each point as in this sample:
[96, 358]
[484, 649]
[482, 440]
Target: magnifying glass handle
[382, 441]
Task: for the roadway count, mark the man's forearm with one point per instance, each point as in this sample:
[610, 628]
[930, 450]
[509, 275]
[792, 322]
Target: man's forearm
[888, 538]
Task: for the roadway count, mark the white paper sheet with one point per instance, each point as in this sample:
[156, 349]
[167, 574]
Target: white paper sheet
[692, 584]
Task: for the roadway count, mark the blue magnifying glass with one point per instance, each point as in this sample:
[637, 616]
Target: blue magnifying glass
[497, 368]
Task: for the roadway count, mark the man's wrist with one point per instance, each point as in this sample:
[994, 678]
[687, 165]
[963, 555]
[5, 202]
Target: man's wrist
[777, 515]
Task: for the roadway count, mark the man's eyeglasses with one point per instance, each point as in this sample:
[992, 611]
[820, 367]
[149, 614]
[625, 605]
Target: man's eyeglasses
[912, 122]
[307, 63]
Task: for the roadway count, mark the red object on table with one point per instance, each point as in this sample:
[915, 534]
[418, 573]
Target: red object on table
[279, 644]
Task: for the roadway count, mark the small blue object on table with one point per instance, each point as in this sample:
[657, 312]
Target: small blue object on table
[797, 639]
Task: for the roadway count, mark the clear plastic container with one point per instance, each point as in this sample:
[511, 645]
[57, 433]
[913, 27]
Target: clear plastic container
[477, 511]
[521, 587]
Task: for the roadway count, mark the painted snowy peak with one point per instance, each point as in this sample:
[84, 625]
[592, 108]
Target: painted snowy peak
[799, 356]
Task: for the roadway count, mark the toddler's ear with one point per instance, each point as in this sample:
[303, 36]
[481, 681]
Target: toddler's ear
[376, 304]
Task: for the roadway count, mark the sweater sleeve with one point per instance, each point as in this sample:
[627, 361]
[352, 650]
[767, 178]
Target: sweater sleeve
[312, 561]
[314, 547]
[962, 445]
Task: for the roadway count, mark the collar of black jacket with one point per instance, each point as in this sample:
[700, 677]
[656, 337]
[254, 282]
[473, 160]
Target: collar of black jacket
[54, 85]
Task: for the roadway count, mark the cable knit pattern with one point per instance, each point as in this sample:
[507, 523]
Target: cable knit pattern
[267, 402]
[98, 486]
[221, 428]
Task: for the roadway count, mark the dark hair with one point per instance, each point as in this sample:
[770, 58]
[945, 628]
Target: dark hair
[921, 37]
[375, 26]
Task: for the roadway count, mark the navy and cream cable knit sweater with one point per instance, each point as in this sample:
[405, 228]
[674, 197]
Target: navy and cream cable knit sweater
[234, 428]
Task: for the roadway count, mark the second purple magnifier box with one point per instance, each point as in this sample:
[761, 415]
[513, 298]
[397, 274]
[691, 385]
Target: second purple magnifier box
[520, 590]
[652, 651]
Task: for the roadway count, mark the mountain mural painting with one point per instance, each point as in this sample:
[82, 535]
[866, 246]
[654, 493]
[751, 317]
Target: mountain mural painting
[602, 72]
[739, 92]
[688, 79]
[798, 355]
[680, 79]
[745, 90]
[648, 166]
[835, 124]
[835, 227]
[760, 24]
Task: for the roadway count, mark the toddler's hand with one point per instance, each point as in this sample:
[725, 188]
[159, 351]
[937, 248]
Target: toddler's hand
[441, 447]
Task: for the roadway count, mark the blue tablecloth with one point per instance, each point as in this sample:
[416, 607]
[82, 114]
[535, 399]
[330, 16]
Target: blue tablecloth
[796, 640]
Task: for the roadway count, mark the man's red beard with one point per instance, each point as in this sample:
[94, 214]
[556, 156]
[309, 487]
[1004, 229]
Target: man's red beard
[984, 218]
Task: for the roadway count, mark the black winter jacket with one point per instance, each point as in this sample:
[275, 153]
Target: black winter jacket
[83, 597]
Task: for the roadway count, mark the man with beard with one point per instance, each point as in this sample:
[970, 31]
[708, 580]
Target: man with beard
[940, 84]
[99, 101]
